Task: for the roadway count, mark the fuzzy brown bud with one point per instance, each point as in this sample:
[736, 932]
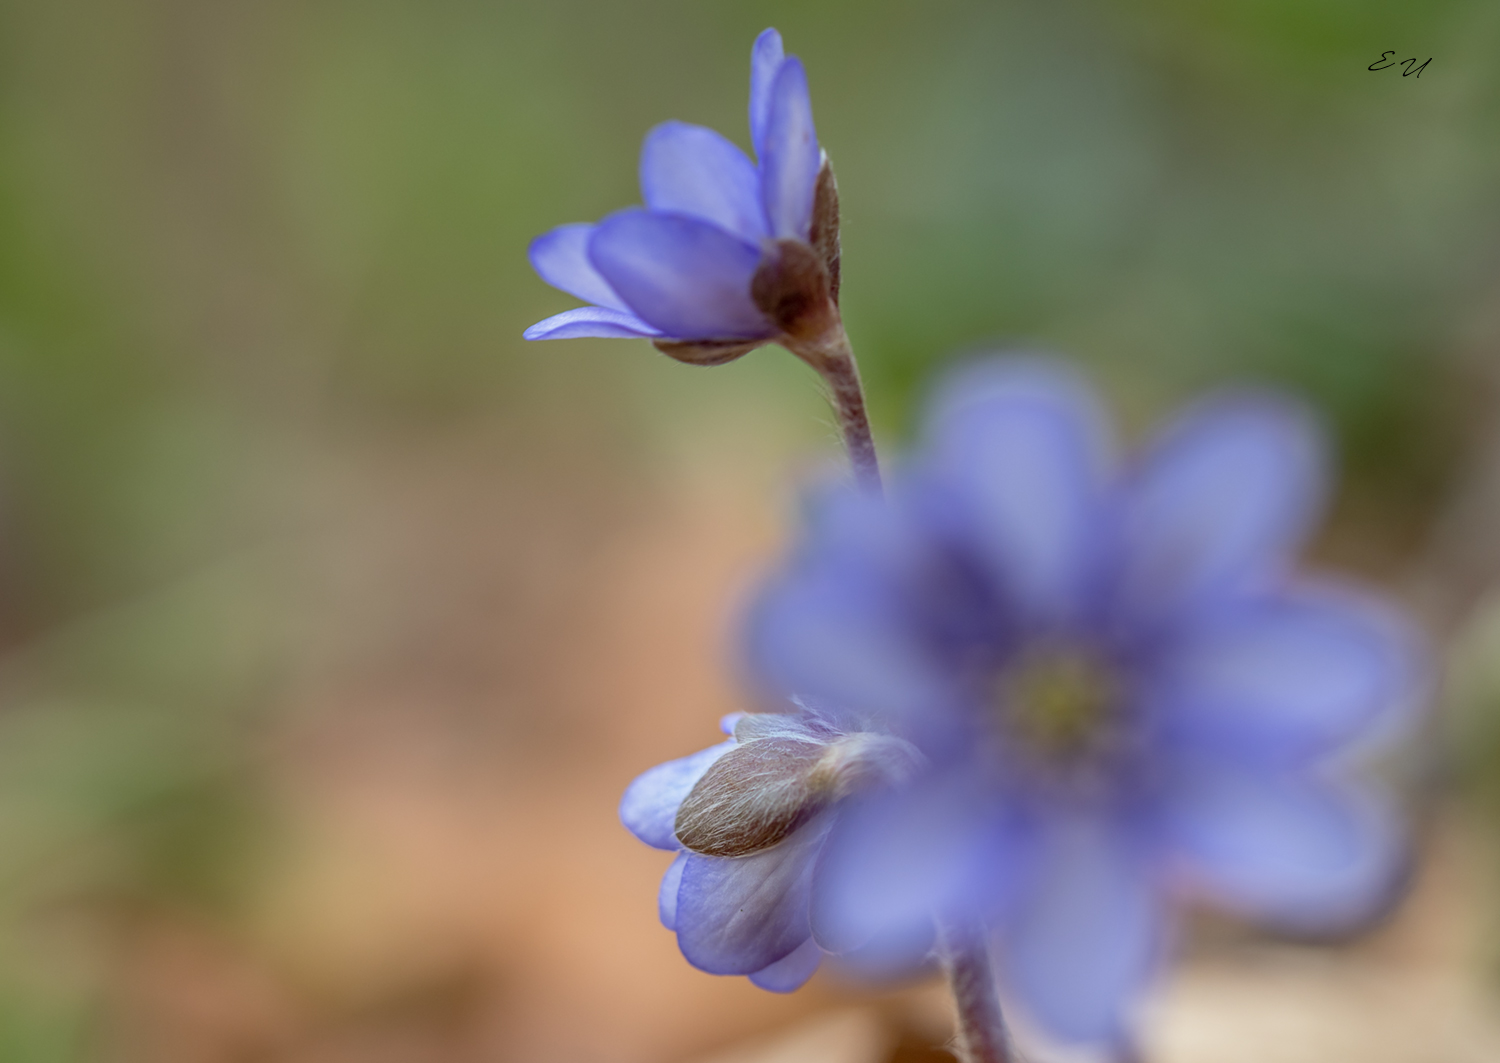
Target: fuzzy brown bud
[761, 791]
[752, 798]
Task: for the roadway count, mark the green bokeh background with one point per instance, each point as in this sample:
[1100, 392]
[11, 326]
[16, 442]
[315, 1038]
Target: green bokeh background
[235, 238]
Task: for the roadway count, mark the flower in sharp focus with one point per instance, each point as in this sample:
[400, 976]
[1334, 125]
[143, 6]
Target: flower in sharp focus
[727, 254]
[1118, 691]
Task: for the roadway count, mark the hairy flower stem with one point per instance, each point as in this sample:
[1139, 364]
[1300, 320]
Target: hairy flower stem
[833, 359]
[982, 1037]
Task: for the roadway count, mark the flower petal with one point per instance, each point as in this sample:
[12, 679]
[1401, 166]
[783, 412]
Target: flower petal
[1026, 448]
[873, 626]
[740, 915]
[845, 644]
[1225, 494]
[591, 321]
[561, 258]
[894, 860]
[766, 58]
[649, 807]
[791, 971]
[1289, 678]
[803, 726]
[1310, 853]
[789, 155]
[683, 276]
[666, 896]
[687, 169]
[1080, 947]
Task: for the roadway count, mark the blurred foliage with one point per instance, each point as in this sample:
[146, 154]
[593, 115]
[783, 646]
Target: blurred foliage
[236, 236]
[1473, 701]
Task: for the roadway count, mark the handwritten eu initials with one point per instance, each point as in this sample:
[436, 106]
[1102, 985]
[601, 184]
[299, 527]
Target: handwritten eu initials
[1384, 57]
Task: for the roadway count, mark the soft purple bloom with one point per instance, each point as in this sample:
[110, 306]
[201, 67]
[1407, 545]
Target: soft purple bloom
[1109, 692]
[680, 271]
[747, 914]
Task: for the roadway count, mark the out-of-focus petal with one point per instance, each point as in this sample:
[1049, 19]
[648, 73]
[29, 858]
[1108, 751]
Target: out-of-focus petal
[789, 155]
[1223, 497]
[591, 321]
[740, 915]
[649, 807]
[893, 860]
[897, 953]
[688, 278]
[839, 641]
[561, 258]
[1288, 678]
[791, 971]
[666, 897]
[687, 169]
[1027, 448]
[1311, 854]
[1080, 947]
[766, 58]
[845, 629]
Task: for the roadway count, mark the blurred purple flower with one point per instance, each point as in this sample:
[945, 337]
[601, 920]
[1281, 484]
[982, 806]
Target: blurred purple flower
[1105, 691]
[681, 271]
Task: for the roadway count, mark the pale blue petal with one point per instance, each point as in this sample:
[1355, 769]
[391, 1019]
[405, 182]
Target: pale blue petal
[796, 726]
[591, 321]
[894, 954]
[683, 276]
[789, 155]
[666, 896]
[1222, 499]
[739, 915]
[1078, 951]
[687, 169]
[649, 807]
[1026, 447]
[792, 971]
[1289, 678]
[766, 58]
[844, 644]
[892, 861]
[1311, 854]
[844, 629]
[561, 258]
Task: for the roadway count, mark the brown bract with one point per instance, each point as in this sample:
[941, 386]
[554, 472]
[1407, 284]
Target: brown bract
[796, 287]
[825, 226]
[769, 785]
[791, 287]
[753, 797]
[706, 352]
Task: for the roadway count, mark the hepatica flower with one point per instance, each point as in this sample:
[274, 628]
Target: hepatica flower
[747, 818]
[727, 254]
[1044, 694]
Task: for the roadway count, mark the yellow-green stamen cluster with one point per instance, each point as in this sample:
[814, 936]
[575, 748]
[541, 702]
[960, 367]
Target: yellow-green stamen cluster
[1058, 700]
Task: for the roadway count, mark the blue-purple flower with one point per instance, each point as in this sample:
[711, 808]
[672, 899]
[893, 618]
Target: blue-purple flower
[727, 254]
[1047, 692]
[747, 818]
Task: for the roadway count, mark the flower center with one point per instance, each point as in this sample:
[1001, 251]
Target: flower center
[1058, 700]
